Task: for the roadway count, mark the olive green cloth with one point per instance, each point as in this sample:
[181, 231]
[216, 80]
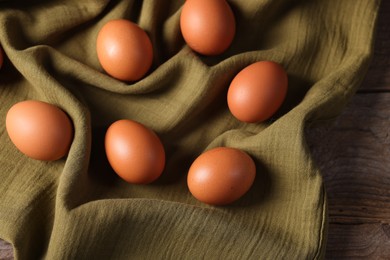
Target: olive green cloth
[77, 208]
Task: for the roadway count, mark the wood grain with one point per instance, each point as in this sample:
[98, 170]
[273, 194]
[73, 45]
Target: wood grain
[366, 241]
[354, 157]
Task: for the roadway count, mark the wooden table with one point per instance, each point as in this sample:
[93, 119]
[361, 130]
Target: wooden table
[354, 156]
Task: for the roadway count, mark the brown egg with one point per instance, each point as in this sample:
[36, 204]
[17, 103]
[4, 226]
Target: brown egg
[134, 152]
[39, 130]
[257, 91]
[221, 176]
[124, 50]
[207, 26]
[1, 57]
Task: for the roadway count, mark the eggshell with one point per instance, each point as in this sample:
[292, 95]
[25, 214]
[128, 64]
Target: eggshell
[1, 57]
[207, 26]
[134, 152]
[221, 176]
[257, 91]
[39, 130]
[124, 50]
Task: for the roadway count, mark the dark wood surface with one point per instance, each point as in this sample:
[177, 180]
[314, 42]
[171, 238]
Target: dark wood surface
[354, 156]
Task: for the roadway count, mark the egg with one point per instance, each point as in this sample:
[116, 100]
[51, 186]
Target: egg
[207, 26]
[40, 130]
[124, 50]
[221, 175]
[257, 91]
[1, 57]
[134, 152]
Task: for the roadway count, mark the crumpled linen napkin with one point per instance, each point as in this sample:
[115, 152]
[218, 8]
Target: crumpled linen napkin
[77, 208]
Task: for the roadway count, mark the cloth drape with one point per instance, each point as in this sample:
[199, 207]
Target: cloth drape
[78, 208]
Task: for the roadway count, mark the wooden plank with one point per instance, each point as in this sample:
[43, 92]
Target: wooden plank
[365, 241]
[354, 156]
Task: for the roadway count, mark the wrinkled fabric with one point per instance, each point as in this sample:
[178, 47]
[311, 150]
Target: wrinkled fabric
[78, 208]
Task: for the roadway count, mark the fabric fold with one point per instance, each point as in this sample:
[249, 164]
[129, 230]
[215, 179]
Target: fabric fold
[77, 208]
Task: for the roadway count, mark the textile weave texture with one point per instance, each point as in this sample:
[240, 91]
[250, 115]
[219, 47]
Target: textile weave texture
[77, 208]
